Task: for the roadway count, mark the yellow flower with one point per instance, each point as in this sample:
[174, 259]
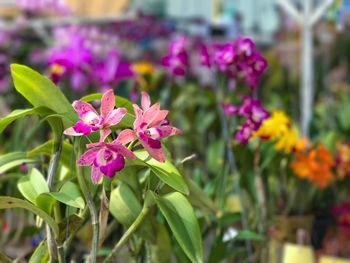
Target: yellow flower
[274, 127]
[288, 141]
[278, 128]
[143, 67]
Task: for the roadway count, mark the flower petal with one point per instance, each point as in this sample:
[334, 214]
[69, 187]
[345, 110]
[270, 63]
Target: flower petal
[125, 151]
[88, 157]
[82, 128]
[139, 117]
[157, 154]
[125, 136]
[104, 134]
[115, 116]
[166, 131]
[151, 114]
[96, 174]
[145, 101]
[111, 168]
[82, 107]
[107, 102]
[159, 118]
[71, 132]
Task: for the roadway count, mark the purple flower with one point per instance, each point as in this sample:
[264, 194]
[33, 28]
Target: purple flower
[255, 114]
[245, 133]
[91, 121]
[176, 61]
[229, 109]
[224, 56]
[105, 158]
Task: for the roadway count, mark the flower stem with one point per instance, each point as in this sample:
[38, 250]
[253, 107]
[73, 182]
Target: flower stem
[149, 201]
[92, 209]
[226, 127]
[51, 174]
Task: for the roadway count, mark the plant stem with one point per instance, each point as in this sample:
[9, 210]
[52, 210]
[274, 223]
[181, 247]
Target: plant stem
[92, 209]
[128, 233]
[225, 126]
[51, 174]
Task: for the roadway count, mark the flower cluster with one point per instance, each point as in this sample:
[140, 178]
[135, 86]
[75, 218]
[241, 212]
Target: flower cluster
[108, 158]
[87, 55]
[239, 60]
[278, 128]
[253, 112]
[315, 165]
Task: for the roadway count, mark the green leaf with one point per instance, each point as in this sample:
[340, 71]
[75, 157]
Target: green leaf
[249, 235]
[67, 158]
[198, 197]
[69, 194]
[11, 160]
[125, 207]
[166, 171]
[11, 202]
[32, 185]
[39, 90]
[45, 202]
[16, 114]
[41, 253]
[180, 216]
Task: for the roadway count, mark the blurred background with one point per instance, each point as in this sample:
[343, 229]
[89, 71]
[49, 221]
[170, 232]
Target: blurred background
[90, 46]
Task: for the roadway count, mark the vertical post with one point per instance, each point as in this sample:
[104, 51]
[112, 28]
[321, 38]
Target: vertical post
[307, 83]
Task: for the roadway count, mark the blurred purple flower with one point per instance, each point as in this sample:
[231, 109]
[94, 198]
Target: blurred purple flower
[176, 62]
[229, 109]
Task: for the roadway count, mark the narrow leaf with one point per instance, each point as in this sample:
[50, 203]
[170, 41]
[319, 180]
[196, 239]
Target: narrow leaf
[166, 171]
[11, 160]
[41, 253]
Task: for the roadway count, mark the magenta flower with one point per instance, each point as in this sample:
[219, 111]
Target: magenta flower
[245, 132]
[229, 109]
[150, 126]
[224, 56]
[91, 121]
[105, 158]
[177, 60]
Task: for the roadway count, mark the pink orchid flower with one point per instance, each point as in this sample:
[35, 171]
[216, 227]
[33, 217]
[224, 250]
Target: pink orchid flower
[105, 158]
[91, 121]
[150, 126]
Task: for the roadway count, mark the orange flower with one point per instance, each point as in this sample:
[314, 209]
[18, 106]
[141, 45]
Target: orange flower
[315, 165]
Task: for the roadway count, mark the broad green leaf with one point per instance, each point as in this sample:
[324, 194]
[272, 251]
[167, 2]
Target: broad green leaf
[16, 114]
[249, 235]
[39, 90]
[11, 202]
[180, 216]
[11, 160]
[67, 158]
[41, 253]
[45, 202]
[69, 194]
[166, 171]
[125, 207]
[32, 185]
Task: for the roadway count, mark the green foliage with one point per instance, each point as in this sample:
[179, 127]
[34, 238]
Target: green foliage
[11, 160]
[183, 223]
